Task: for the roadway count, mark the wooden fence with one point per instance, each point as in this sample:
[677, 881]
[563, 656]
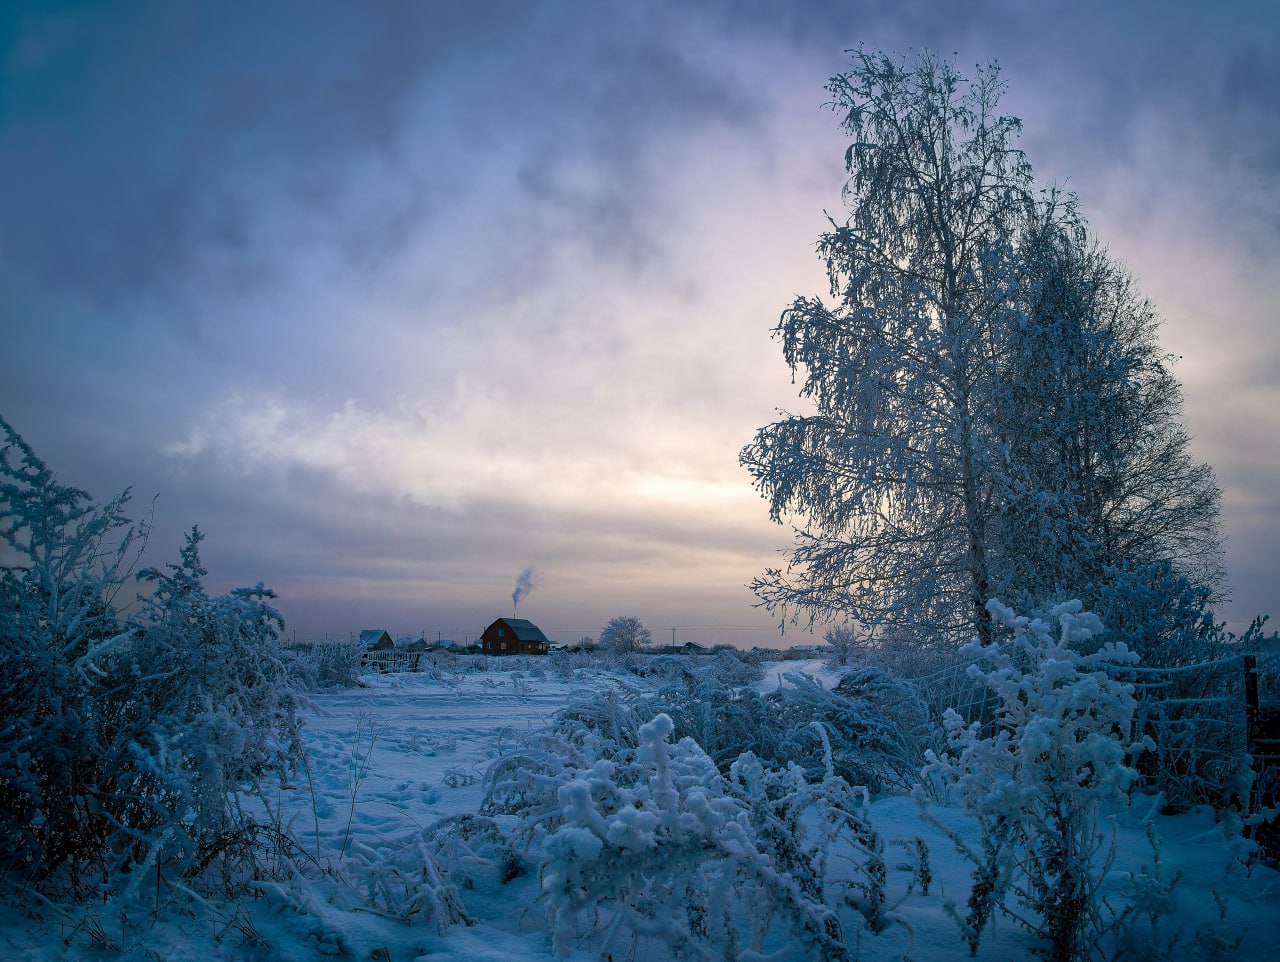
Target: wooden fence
[393, 660]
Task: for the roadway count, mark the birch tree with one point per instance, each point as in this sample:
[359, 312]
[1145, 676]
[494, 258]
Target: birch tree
[1101, 423]
[985, 387]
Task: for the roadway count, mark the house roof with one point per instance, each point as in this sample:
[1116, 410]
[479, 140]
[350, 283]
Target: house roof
[370, 635]
[524, 630]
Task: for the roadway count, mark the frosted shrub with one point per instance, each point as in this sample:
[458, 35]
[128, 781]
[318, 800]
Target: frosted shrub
[58, 620]
[734, 668]
[526, 781]
[635, 828]
[724, 721]
[1039, 784]
[799, 823]
[878, 728]
[653, 848]
[127, 743]
[475, 848]
[401, 879]
[609, 714]
[334, 666]
[726, 667]
[205, 694]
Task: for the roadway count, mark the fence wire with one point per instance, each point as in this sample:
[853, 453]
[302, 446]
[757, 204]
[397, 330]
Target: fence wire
[1193, 716]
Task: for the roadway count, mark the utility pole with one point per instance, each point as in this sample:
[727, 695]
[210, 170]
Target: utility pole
[673, 641]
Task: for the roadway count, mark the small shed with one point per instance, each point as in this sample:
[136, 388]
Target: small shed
[375, 639]
[514, 636]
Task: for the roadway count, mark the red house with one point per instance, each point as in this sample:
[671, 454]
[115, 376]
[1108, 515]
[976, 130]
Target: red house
[514, 636]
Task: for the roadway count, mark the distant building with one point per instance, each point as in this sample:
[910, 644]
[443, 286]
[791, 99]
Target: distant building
[375, 639]
[514, 636]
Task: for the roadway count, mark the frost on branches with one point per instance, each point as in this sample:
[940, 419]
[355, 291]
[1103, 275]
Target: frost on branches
[1039, 784]
[990, 411]
[126, 741]
[641, 843]
[658, 848]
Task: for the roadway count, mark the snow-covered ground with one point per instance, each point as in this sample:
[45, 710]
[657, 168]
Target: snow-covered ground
[815, 668]
[389, 759]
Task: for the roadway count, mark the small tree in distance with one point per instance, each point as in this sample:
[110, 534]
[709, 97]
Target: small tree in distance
[624, 635]
[842, 642]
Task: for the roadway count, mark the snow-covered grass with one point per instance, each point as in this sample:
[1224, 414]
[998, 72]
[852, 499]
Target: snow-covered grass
[390, 760]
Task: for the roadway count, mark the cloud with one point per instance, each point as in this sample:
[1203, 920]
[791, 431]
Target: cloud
[396, 299]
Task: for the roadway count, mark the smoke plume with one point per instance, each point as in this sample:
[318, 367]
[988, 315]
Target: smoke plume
[524, 584]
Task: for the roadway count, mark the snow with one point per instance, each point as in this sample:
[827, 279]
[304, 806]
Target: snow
[817, 669]
[388, 760]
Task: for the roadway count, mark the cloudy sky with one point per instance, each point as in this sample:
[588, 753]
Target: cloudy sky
[397, 299]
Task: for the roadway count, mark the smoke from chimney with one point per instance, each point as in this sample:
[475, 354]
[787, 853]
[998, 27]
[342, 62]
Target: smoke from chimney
[524, 584]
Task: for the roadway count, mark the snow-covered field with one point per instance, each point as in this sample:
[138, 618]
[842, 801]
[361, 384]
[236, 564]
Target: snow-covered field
[389, 759]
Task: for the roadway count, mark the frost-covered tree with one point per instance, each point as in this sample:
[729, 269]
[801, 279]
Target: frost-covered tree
[843, 644]
[895, 473]
[1105, 479]
[988, 400]
[625, 634]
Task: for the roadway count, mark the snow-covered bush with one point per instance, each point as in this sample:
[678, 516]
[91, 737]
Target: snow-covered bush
[400, 879]
[207, 692]
[646, 841]
[333, 666]
[1038, 786]
[476, 849]
[654, 848]
[58, 620]
[127, 742]
[610, 715]
[936, 675]
[1159, 614]
[800, 824]
[724, 720]
[527, 780]
[734, 668]
[878, 728]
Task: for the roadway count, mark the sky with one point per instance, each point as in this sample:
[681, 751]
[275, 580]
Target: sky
[398, 300]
